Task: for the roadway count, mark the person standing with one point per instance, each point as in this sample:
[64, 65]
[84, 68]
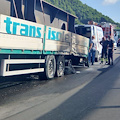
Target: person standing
[92, 50]
[104, 55]
[110, 50]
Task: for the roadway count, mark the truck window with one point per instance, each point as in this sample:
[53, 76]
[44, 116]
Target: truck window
[84, 31]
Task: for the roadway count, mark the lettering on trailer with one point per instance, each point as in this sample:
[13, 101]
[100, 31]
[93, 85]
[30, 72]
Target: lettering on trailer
[54, 35]
[26, 30]
[58, 35]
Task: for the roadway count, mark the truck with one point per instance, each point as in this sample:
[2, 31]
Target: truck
[36, 37]
[88, 31]
[108, 29]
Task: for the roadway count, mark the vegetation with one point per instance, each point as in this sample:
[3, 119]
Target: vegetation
[82, 11]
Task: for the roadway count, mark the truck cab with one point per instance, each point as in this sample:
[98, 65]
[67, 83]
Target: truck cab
[88, 31]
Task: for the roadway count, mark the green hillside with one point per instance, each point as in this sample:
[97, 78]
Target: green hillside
[82, 11]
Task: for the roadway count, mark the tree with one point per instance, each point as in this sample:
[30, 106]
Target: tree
[82, 11]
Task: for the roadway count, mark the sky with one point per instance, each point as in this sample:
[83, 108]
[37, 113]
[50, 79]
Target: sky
[110, 8]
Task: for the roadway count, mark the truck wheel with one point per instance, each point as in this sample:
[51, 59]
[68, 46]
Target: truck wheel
[60, 67]
[50, 66]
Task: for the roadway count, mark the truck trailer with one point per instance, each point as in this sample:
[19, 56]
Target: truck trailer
[36, 37]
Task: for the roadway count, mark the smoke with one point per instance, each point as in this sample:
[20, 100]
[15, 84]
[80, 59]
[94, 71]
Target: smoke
[107, 2]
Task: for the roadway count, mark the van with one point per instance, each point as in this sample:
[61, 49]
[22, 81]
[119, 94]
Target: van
[88, 31]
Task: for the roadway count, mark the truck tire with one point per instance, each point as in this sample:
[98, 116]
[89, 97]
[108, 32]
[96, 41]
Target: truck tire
[50, 66]
[60, 67]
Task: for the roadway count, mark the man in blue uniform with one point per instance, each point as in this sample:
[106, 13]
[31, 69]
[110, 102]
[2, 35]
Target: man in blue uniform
[104, 44]
[110, 50]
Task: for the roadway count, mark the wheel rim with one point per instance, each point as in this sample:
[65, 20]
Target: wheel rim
[51, 68]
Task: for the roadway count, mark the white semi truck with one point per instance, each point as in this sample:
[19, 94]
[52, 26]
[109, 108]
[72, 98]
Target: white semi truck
[30, 45]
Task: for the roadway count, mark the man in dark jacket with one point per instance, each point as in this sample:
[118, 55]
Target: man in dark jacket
[104, 44]
[110, 50]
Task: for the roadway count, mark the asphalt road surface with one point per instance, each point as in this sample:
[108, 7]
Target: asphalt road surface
[91, 94]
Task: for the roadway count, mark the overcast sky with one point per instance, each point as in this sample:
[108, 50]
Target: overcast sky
[111, 8]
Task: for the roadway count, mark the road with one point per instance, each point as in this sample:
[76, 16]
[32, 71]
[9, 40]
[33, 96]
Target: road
[90, 94]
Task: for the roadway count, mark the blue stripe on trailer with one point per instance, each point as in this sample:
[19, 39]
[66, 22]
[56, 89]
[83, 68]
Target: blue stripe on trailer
[50, 52]
[10, 51]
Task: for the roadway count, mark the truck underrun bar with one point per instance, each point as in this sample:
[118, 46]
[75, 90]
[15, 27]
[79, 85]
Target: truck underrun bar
[5, 62]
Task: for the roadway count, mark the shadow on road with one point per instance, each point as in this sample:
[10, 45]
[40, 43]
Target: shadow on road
[86, 100]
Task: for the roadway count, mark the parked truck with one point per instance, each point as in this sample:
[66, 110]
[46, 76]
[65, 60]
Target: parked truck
[36, 36]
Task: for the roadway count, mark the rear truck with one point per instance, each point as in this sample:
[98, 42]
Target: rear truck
[108, 29]
[89, 31]
[36, 46]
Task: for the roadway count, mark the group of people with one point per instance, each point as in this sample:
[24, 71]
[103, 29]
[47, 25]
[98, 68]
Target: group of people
[107, 50]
